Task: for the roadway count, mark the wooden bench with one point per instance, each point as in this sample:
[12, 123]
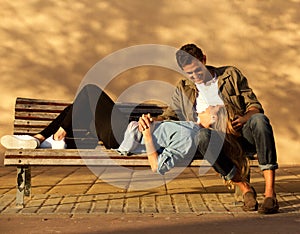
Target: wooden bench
[33, 115]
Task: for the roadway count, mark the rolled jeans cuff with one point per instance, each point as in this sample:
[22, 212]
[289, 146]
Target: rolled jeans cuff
[231, 174]
[268, 167]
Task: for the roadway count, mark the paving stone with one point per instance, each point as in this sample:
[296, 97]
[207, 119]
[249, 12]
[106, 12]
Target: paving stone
[44, 180]
[179, 185]
[148, 205]
[77, 182]
[289, 202]
[8, 181]
[181, 203]
[83, 204]
[101, 187]
[67, 204]
[7, 202]
[101, 202]
[8, 171]
[197, 203]
[164, 204]
[132, 205]
[50, 204]
[118, 177]
[34, 204]
[116, 203]
[213, 203]
[145, 179]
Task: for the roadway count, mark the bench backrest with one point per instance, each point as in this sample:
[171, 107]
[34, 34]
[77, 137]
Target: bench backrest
[33, 115]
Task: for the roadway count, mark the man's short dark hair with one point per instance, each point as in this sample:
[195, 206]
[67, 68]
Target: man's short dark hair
[187, 53]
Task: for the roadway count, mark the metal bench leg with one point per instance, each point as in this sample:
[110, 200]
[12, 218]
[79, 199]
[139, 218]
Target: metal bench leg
[27, 191]
[23, 184]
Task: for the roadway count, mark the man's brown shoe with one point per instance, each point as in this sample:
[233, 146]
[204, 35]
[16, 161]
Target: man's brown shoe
[269, 206]
[250, 203]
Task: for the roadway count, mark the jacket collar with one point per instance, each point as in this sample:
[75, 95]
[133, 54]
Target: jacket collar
[219, 71]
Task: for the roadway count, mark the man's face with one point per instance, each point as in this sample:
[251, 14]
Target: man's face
[197, 72]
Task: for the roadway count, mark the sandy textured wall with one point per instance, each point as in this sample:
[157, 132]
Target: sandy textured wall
[48, 46]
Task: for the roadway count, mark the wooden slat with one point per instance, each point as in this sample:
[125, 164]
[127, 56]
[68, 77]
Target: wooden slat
[39, 108]
[31, 123]
[140, 105]
[71, 157]
[64, 103]
[76, 162]
[144, 111]
[35, 115]
[68, 153]
[84, 162]
[27, 131]
[96, 157]
[31, 131]
[57, 109]
[21, 100]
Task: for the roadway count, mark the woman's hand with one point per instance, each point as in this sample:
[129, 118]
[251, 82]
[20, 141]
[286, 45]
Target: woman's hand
[60, 134]
[145, 124]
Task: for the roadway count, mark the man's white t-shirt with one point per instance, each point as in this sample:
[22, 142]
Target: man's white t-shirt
[208, 95]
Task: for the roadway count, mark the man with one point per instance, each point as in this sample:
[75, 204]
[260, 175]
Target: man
[196, 98]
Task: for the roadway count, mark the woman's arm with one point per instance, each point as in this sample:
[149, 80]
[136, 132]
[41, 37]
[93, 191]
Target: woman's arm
[150, 148]
[151, 151]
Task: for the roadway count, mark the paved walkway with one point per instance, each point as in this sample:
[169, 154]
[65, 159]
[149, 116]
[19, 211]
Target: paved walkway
[77, 190]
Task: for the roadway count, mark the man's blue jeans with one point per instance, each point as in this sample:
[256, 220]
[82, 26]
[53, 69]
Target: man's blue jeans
[257, 137]
[210, 146]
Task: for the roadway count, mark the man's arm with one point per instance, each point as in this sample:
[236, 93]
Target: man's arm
[252, 104]
[250, 100]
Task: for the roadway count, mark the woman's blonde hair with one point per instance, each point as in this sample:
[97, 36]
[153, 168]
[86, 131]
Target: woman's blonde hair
[232, 147]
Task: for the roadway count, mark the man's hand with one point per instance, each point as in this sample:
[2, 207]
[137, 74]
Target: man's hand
[238, 122]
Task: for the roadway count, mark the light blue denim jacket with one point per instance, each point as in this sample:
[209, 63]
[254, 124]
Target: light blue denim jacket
[175, 142]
